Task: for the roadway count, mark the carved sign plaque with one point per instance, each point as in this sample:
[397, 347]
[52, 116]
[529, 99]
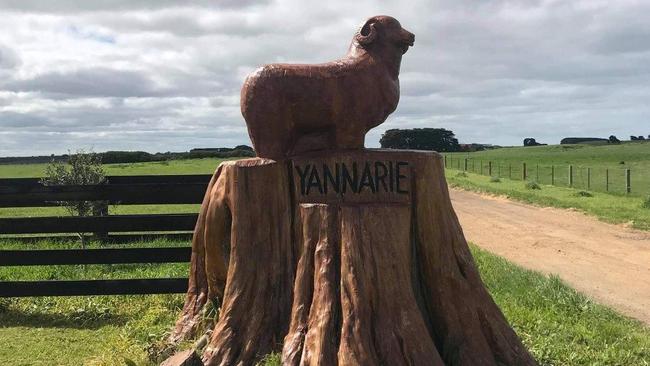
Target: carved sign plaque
[361, 179]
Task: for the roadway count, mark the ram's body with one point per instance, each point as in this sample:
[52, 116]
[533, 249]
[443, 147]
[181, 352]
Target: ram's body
[296, 108]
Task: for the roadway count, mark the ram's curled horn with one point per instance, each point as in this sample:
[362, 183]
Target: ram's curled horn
[367, 33]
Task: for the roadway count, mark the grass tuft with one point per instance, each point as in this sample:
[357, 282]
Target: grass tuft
[533, 185]
[272, 359]
[646, 203]
[583, 194]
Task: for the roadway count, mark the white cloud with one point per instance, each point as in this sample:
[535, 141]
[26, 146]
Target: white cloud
[153, 75]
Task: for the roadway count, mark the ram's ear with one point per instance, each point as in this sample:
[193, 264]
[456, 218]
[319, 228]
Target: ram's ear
[367, 33]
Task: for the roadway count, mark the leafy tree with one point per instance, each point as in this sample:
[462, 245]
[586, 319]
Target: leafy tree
[243, 147]
[438, 139]
[614, 140]
[531, 142]
[82, 168]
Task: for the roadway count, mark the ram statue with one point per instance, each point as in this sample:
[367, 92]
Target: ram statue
[292, 108]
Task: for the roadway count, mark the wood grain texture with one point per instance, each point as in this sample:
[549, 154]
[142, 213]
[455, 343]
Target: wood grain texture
[368, 277]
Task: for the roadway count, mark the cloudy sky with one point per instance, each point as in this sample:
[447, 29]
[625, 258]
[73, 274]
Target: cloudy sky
[153, 76]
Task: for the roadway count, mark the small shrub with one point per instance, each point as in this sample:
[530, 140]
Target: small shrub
[495, 179]
[646, 203]
[461, 174]
[82, 168]
[532, 185]
[584, 194]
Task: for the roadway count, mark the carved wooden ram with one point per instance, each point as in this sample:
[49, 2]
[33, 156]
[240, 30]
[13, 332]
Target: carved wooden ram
[291, 109]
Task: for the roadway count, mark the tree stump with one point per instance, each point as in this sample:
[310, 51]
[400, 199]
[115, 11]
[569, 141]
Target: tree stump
[341, 258]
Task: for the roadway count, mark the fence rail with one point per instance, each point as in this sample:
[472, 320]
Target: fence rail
[166, 189]
[93, 287]
[90, 224]
[29, 192]
[93, 256]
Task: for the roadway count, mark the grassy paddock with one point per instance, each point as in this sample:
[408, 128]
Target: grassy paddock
[607, 207]
[185, 166]
[558, 325]
[189, 166]
[616, 159]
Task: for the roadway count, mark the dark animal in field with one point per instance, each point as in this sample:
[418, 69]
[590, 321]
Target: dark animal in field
[291, 108]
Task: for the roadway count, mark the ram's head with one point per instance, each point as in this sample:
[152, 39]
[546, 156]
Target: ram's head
[385, 32]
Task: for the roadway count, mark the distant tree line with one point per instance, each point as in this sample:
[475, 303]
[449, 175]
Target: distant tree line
[585, 140]
[436, 139]
[114, 157]
[637, 138]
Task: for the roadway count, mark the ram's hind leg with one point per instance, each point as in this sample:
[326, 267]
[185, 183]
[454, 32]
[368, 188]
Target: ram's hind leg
[349, 136]
[312, 141]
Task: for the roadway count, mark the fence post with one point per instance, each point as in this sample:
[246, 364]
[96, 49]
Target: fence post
[510, 171]
[570, 175]
[445, 161]
[552, 175]
[628, 185]
[481, 162]
[465, 166]
[499, 169]
[490, 168]
[523, 171]
[537, 173]
[606, 180]
[588, 179]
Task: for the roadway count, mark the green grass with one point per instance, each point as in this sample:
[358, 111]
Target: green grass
[90, 330]
[607, 207]
[558, 325]
[539, 161]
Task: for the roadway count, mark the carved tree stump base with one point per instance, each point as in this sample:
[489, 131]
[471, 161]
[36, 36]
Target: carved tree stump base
[343, 258]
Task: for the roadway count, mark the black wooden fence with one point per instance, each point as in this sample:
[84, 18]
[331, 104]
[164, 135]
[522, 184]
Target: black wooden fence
[123, 190]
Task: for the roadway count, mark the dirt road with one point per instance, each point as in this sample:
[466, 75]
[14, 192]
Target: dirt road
[610, 263]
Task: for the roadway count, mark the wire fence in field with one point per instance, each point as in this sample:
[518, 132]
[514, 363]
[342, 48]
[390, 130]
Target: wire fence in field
[611, 180]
